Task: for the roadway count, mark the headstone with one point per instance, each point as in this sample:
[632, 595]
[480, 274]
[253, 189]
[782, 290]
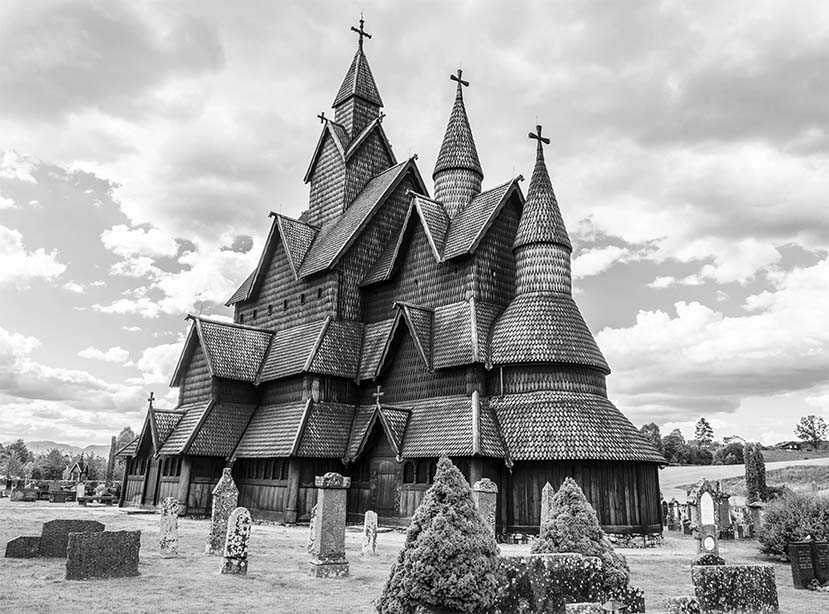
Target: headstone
[16, 494]
[328, 553]
[592, 607]
[547, 494]
[485, 494]
[312, 530]
[802, 562]
[225, 499]
[168, 529]
[704, 500]
[54, 536]
[370, 534]
[103, 554]
[236, 543]
[25, 547]
[821, 560]
[80, 489]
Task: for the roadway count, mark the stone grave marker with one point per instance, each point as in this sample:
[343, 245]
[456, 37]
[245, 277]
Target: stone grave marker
[225, 499]
[236, 542]
[588, 607]
[80, 489]
[24, 547]
[102, 554]
[485, 494]
[803, 567]
[312, 528]
[328, 553]
[29, 494]
[820, 559]
[168, 528]
[547, 494]
[54, 536]
[370, 534]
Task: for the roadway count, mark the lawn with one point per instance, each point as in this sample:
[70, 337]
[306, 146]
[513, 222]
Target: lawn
[277, 580]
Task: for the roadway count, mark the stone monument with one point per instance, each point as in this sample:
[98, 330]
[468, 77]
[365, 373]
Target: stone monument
[547, 494]
[370, 534]
[312, 527]
[236, 543]
[485, 494]
[704, 499]
[225, 498]
[328, 552]
[102, 554]
[168, 529]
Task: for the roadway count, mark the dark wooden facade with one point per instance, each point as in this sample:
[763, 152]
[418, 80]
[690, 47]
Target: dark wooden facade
[382, 329]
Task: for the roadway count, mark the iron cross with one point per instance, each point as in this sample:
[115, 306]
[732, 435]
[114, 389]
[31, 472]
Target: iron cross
[150, 399]
[322, 117]
[459, 79]
[538, 137]
[361, 32]
[378, 394]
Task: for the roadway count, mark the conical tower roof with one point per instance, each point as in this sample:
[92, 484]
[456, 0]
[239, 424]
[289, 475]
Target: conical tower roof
[358, 80]
[458, 150]
[541, 221]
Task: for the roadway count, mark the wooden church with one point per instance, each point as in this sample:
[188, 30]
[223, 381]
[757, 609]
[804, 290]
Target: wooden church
[385, 327]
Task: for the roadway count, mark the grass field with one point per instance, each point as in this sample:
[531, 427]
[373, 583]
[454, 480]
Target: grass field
[773, 456]
[277, 580]
[798, 478]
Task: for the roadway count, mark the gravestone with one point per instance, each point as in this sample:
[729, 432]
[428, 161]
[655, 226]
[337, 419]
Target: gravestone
[328, 553]
[547, 494]
[80, 489]
[102, 554]
[589, 607]
[25, 547]
[803, 567]
[54, 536]
[370, 534]
[703, 501]
[485, 494]
[312, 529]
[29, 494]
[168, 529]
[820, 552]
[225, 499]
[236, 543]
[16, 494]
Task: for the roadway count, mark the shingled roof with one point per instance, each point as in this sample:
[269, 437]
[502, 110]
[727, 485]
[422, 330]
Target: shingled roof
[233, 351]
[346, 146]
[326, 431]
[183, 433]
[461, 332]
[221, 430]
[549, 425]
[393, 420]
[292, 350]
[338, 235]
[274, 430]
[375, 337]
[128, 449]
[359, 82]
[458, 149]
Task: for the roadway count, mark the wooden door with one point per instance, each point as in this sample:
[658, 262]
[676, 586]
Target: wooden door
[153, 467]
[386, 486]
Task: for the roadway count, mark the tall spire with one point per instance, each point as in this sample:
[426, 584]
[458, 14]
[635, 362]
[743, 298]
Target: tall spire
[541, 221]
[458, 172]
[358, 101]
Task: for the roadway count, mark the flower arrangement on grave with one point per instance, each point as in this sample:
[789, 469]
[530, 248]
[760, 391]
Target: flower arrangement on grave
[448, 560]
[572, 526]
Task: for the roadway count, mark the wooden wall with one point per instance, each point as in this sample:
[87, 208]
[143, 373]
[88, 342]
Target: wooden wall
[494, 263]
[195, 385]
[625, 495]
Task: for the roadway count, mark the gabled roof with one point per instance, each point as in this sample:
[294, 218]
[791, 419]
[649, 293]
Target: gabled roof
[128, 449]
[296, 238]
[274, 430]
[359, 82]
[470, 226]
[337, 236]
[548, 425]
[186, 429]
[461, 332]
[375, 336]
[292, 350]
[419, 323]
[220, 431]
[162, 423]
[232, 351]
[346, 146]
[458, 148]
[339, 351]
[393, 421]
[325, 434]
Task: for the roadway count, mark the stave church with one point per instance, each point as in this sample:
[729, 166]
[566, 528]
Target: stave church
[385, 327]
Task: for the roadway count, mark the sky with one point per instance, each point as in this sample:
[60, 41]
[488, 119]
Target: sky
[142, 146]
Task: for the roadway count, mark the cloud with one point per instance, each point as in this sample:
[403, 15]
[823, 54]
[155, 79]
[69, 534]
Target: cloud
[19, 267]
[7, 203]
[17, 167]
[597, 260]
[131, 329]
[148, 242]
[157, 363]
[117, 355]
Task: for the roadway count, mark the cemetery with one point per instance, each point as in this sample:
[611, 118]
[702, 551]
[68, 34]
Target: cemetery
[143, 559]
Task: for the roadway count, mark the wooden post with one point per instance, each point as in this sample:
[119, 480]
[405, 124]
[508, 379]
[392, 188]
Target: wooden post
[293, 491]
[124, 483]
[184, 485]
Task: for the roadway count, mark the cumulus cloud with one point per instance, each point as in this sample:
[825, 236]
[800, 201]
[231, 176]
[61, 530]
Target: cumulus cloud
[597, 260]
[117, 355]
[16, 166]
[19, 267]
[146, 242]
[7, 203]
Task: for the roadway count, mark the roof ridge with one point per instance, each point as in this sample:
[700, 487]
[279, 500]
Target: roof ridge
[206, 320]
[294, 220]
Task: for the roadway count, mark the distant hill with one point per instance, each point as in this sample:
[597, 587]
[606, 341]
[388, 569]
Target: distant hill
[38, 447]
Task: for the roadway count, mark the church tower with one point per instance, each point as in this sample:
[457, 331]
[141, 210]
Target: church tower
[358, 102]
[457, 173]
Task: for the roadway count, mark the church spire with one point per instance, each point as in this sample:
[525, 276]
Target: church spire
[358, 101]
[458, 172]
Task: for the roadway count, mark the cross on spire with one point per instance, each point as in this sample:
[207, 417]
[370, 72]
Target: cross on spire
[361, 32]
[538, 137]
[459, 79]
[322, 117]
[377, 395]
[150, 399]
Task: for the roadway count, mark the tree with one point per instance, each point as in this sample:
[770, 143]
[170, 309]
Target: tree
[700, 456]
[22, 452]
[704, 433]
[811, 428]
[573, 526]
[11, 467]
[124, 437]
[755, 473]
[674, 448]
[732, 454]
[652, 434]
[448, 560]
[51, 465]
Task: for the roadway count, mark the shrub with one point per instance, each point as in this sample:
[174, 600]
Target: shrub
[755, 473]
[793, 517]
[735, 588]
[709, 559]
[732, 454]
[573, 527]
[449, 557]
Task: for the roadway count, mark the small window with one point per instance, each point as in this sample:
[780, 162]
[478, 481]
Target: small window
[270, 310]
[319, 292]
[178, 466]
[241, 318]
[284, 304]
[302, 299]
[276, 469]
[423, 472]
[284, 474]
[408, 473]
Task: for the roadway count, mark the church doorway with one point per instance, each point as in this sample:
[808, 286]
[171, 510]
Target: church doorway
[386, 471]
